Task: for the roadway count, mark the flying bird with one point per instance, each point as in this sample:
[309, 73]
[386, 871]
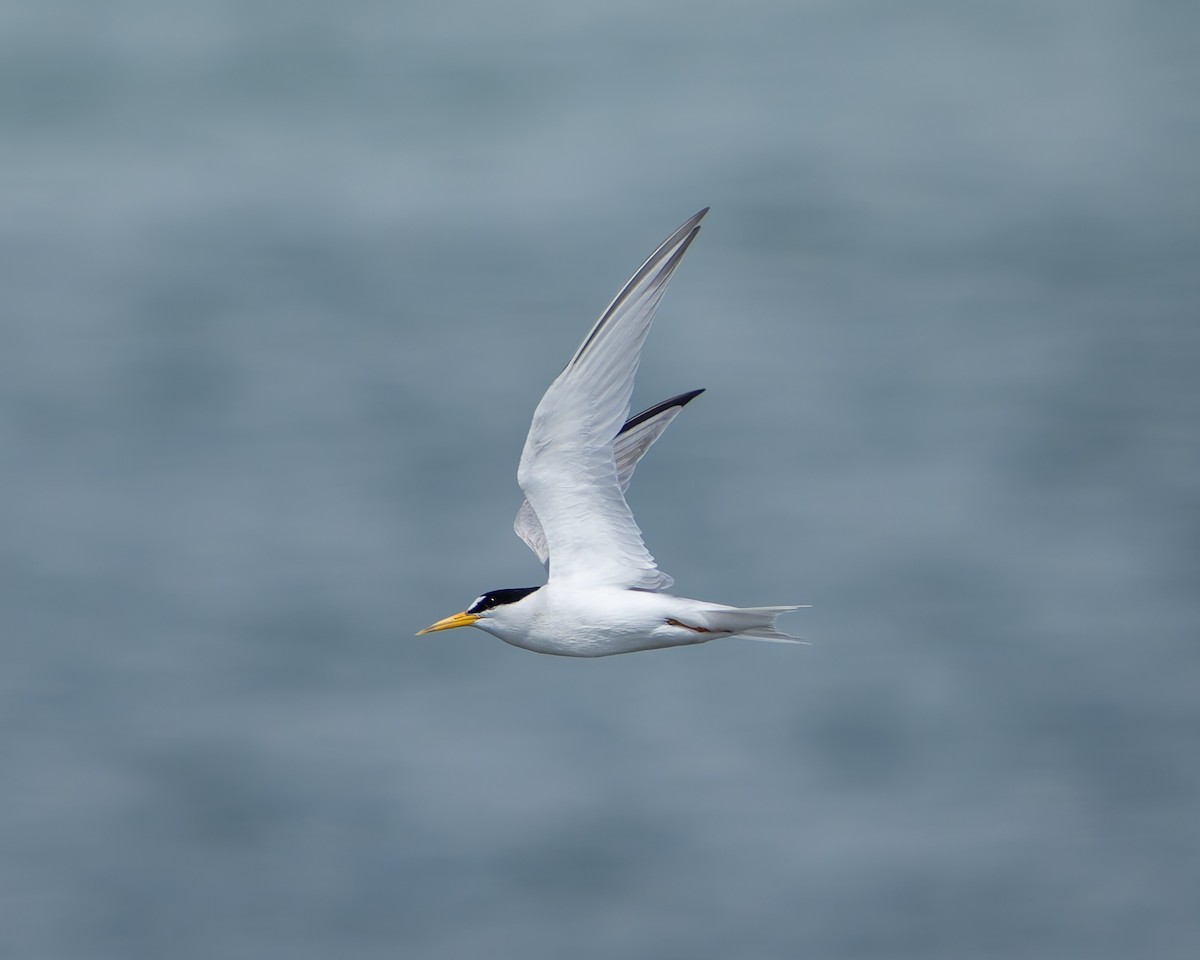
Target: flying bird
[603, 593]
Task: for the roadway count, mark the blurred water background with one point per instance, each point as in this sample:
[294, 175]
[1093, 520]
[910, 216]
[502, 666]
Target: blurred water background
[282, 283]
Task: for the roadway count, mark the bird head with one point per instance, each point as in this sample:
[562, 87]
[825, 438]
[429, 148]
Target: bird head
[485, 607]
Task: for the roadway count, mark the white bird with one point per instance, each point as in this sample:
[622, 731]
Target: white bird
[602, 595]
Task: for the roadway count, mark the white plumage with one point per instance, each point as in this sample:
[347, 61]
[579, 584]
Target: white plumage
[601, 596]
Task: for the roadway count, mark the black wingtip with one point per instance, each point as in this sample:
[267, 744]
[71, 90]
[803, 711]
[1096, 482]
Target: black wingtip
[678, 242]
[680, 401]
[685, 398]
[692, 222]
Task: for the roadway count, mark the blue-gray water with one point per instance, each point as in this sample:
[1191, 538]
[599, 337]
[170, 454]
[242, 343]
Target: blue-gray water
[281, 284]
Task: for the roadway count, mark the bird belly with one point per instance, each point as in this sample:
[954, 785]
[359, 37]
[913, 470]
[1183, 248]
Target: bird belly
[602, 622]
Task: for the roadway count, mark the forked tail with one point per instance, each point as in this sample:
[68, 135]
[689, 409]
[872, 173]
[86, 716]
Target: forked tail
[757, 623]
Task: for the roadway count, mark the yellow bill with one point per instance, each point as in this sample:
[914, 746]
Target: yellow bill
[458, 620]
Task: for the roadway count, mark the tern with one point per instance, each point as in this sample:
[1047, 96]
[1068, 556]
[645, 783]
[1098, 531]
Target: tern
[603, 593]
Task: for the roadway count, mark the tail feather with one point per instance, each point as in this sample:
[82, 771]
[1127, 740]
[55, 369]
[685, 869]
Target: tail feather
[755, 623]
[768, 635]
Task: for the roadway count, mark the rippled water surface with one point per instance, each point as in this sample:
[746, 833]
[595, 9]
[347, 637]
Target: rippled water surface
[282, 284]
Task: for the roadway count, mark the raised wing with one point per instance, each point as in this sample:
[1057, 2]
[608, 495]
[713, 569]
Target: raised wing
[568, 468]
[630, 445]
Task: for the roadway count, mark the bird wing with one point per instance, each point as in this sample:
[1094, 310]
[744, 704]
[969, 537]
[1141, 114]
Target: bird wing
[568, 468]
[630, 445]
